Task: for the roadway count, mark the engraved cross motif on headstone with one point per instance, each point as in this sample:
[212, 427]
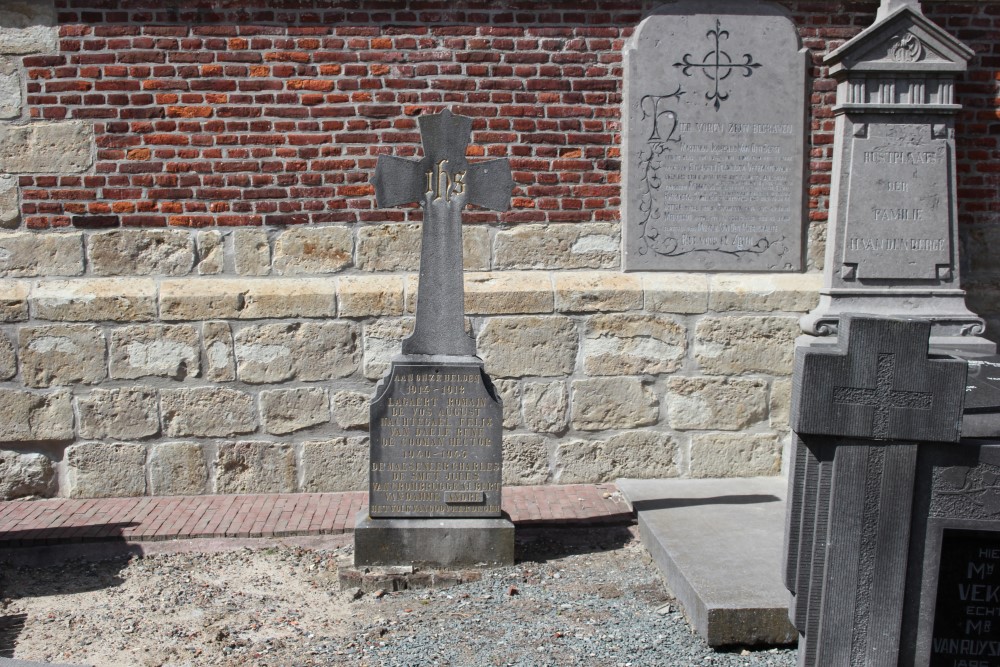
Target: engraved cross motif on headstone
[883, 397]
[443, 182]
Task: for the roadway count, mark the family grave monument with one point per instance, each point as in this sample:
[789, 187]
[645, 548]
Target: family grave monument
[436, 419]
[714, 139]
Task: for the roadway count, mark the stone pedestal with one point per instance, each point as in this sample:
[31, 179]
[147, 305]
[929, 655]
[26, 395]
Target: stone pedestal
[441, 543]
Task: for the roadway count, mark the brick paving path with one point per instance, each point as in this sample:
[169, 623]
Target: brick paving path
[63, 520]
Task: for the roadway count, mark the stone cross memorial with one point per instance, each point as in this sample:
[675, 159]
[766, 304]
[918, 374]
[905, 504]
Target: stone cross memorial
[436, 419]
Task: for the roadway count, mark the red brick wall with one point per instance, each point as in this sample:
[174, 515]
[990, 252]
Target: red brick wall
[272, 112]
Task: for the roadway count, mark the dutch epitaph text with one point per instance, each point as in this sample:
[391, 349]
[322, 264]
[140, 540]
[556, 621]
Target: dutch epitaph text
[714, 139]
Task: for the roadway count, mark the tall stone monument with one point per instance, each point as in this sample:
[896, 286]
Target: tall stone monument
[713, 161]
[892, 245]
[436, 419]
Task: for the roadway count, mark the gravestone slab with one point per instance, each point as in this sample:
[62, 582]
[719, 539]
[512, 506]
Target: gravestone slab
[714, 139]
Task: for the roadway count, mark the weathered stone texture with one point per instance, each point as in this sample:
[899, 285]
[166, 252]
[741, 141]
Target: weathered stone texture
[558, 246]
[30, 254]
[737, 345]
[255, 467]
[309, 351]
[8, 358]
[675, 292]
[177, 469]
[510, 394]
[382, 341]
[765, 293]
[95, 300]
[64, 147]
[392, 247]
[612, 403]
[290, 410]
[313, 250]
[715, 403]
[475, 248]
[735, 454]
[338, 464]
[594, 292]
[369, 296]
[120, 414]
[207, 412]
[529, 345]
[633, 344]
[10, 90]
[125, 252]
[247, 299]
[13, 301]
[106, 470]
[160, 350]
[525, 460]
[637, 454]
[545, 406]
[28, 26]
[211, 252]
[10, 204]
[220, 357]
[62, 354]
[25, 474]
[251, 252]
[28, 415]
[780, 405]
[508, 293]
[350, 409]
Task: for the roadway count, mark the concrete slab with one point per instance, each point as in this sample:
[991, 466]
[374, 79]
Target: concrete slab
[718, 543]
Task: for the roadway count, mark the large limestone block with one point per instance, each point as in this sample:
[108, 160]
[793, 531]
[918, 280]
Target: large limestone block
[28, 26]
[10, 200]
[126, 413]
[559, 246]
[545, 406]
[392, 247]
[247, 299]
[313, 250]
[337, 464]
[155, 350]
[383, 340]
[612, 403]
[128, 252]
[211, 252]
[25, 474]
[220, 356]
[350, 409]
[290, 410]
[177, 469]
[528, 345]
[28, 415]
[95, 300]
[31, 254]
[735, 454]
[8, 358]
[728, 404]
[680, 293]
[597, 292]
[738, 345]
[761, 293]
[510, 394]
[207, 412]
[10, 90]
[13, 301]
[525, 460]
[369, 296]
[633, 344]
[106, 470]
[309, 351]
[508, 293]
[64, 147]
[634, 454]
[62, 354]
[251, 252]
[255, 467]
[780, 405]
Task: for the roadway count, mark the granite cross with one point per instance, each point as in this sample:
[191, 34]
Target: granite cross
[883, 397]
[443, 182]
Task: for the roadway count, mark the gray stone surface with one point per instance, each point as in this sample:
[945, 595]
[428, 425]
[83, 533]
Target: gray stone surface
[25, 474]
[715, 403]
[714, 139]
[10, 90]
[28, 26]
[313, 250]
[28, 254]
[547, 345]
[219, 356]
[251, 252]
[255, 467]
[350, 409]
[106, 470]
[211, 252]
[29, 415]
[630, 344]
[10, 206]
[309, 351]
[640, 454]
[525, 459]
[611, 403]
[8, 358]
[337, 464]
[718, 544]
[62, 354]
[166, 252]
[433, 542]
[592, 245]
[122, 413]
[177, 469]
[95, 299]
[545, 406]
[207, 412]
[286, 411]
[157, 350]
[64, 147]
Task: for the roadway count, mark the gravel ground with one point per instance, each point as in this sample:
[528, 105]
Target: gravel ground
[576, 597]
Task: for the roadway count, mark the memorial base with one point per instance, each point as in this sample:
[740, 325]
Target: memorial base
[441, 543]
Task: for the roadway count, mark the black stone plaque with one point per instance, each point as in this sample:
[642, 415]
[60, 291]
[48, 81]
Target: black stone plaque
[436, 443]
[967, 608]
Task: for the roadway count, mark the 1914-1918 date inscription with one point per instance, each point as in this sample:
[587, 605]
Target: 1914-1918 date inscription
[436, 447]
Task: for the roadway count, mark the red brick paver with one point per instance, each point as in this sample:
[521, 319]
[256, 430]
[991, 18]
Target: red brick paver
[61, 520]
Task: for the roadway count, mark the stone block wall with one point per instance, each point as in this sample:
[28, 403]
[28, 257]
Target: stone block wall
[197, 293]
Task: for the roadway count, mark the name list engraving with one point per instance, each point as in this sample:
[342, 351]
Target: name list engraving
[436, 444]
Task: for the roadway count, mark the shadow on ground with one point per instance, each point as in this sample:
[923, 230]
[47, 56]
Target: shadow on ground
[541, 544]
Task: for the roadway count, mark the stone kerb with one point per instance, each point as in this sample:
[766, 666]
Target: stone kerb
[213, 384]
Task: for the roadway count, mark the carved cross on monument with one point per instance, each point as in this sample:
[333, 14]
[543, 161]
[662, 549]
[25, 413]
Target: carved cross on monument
[443, 182]
[883, 397]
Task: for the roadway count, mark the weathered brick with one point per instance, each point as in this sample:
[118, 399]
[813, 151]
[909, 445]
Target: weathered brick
[611, 403]
[369, 296]
[558, 246]
[28, 415]
[337, 464]
[728, 404]
[735, 454]
[545, 406]
[207, 412]
[255, 467]
[313, 250]
[309, 351]
[247, 299]
[127, 413]
[592, 292]
[127, 252]
[62, 354]
[177, 469]
[161, 350]
[737, 345]
[528, 345]
[289, 410]
[106, 470]
[633, 344]
[30, 254]
[95, 300]
[636, 454]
